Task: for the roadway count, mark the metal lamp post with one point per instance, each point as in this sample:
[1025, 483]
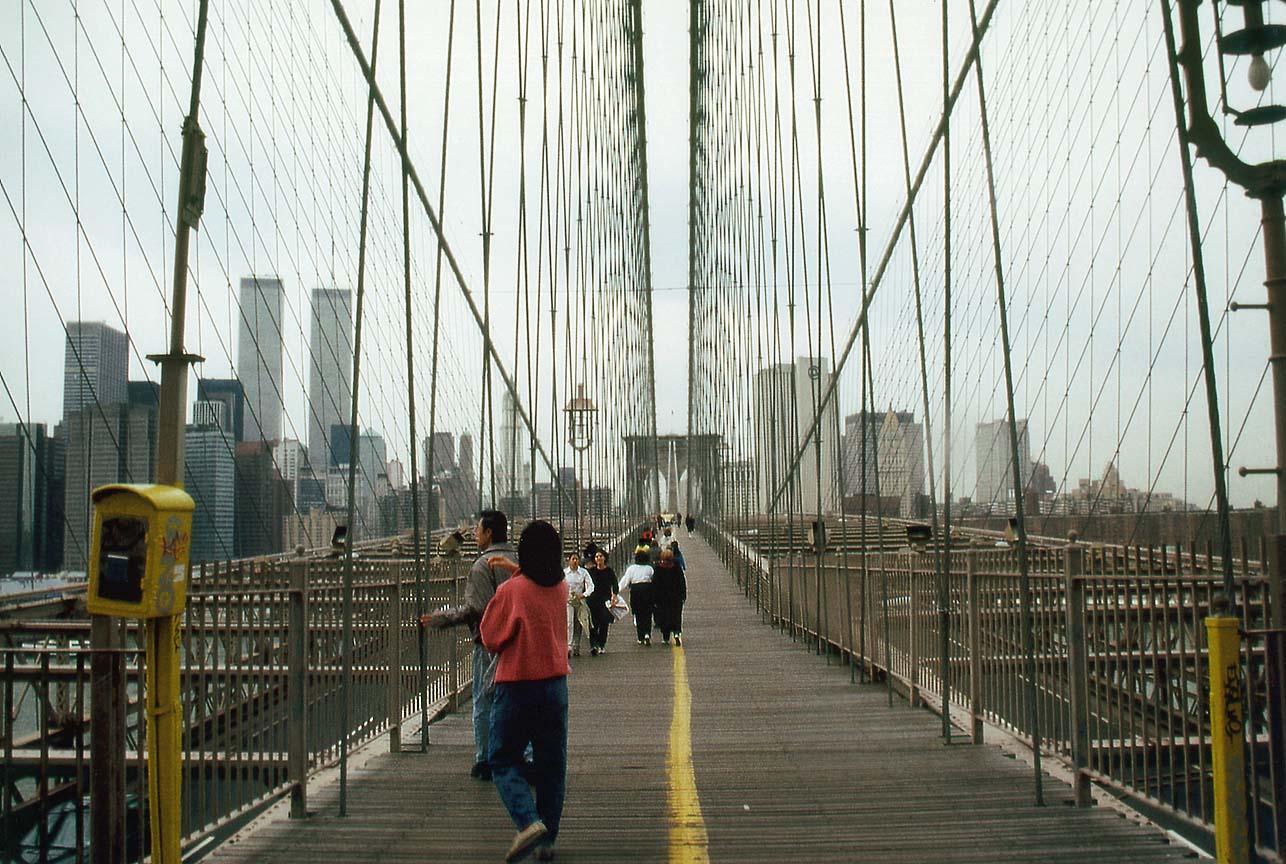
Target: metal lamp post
[1265, 182]
[580, 435]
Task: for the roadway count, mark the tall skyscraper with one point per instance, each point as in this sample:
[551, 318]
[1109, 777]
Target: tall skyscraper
[24, 507]
[782, 429]
[465, 462]
[443, 452]
[512, 451]
[259, 357]
[894, 445]
[115, 444]
[230, 393]
[210, 478]
[330, 369]
[95, 366]
[994, 457]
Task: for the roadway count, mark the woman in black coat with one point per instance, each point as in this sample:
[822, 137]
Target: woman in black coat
[670, 590]
[604, 579]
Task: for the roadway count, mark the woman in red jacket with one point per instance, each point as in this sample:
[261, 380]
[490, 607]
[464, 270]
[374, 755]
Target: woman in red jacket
[525, 627]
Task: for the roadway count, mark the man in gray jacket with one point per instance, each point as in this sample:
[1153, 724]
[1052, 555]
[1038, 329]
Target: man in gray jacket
[496, 561]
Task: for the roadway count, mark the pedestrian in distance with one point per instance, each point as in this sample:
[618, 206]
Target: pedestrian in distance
[525, 628]
[678, 556]
[670, 590]
[579, 585]
[637, 579]
[495, 562]
[604, 593]
[691, 524]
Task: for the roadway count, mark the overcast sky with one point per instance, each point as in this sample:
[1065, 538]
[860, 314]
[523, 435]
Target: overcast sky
[1088, 179]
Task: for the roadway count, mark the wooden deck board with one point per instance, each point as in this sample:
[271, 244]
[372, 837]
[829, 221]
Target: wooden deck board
[792, 763]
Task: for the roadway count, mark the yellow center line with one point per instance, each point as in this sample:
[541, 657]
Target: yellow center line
[688, 841]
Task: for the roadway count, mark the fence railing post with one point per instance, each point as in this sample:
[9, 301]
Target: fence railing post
[453, 643]
[395, 660]
[975, 646]
[1077, 669]
[107, 740]
[297, 736]
[913, 629]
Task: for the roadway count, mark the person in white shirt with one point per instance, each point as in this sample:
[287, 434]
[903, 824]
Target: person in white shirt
[579, 586]
[638, 579]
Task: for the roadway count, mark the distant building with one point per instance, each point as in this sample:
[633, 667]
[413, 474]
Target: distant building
[739, 487]
[330, 369]
[262, 499]
[442, 458]
[95, 366]
[786, 402]
[106, 444]
[230, 393]
[993, 453]
[210, 473]
[311, 529]
[210, 414]
[894, 446]
[24, 498]
[259, 357]
[512, 449]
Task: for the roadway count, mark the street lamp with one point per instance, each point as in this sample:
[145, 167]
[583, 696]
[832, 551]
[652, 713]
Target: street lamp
[1266, 182]
[580, 435]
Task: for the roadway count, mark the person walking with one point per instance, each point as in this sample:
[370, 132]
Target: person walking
[638, 580]
[604, 579]
[670, 590]
[496, 559]
[524, 628]
[678, 556]
[579, 586]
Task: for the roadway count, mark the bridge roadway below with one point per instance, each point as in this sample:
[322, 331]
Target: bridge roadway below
[789, 762]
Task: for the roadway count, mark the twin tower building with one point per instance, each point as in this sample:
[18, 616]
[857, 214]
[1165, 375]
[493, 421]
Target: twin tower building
[260, 357]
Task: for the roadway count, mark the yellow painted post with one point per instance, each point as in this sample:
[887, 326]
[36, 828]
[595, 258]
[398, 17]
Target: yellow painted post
[1227, 733]
[164, 738]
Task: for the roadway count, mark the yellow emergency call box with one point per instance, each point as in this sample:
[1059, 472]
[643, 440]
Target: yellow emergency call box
[138, 562]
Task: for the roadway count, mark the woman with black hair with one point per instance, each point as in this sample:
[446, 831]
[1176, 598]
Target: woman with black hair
[604, 578]
[525, 626]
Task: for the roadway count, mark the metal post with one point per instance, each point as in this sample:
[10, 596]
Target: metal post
[161, 635]
[297, 741]
[975, 646]
[1078, 670]
[1274, 226]
[107, 742]
[395, 661]
[1228, 739]
[913, 628]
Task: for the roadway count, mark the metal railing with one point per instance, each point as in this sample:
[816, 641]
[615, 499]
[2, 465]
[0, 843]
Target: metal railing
[260, 690]
[1121, 678]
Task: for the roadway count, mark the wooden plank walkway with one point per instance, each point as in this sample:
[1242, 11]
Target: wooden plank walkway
[791, 763]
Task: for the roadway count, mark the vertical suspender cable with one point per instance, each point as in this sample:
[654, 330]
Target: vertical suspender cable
[1029, 636]
[944, 617]
[944, 595]
[430, 457]
[636, 7]
[420, 584]
[346, 707]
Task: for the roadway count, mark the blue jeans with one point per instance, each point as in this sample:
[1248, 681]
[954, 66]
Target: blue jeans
[482, 696]
[535, 713]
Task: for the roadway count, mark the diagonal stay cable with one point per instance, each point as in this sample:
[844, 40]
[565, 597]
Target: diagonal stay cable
[400, 142]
